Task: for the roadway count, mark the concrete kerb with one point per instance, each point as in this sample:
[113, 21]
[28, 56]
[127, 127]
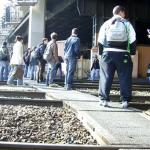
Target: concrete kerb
[102, 135]
[93, 127]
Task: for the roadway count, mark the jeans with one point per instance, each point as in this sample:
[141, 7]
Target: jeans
[4, 70]
[41, 70]
[26, 69]
[16, 72]
[95, 74]
[58, 67]
[109, 63]
[33, 72]
[50, 74]
[70, 69]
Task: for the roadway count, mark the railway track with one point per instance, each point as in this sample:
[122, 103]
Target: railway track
[134, 81]
[15, 98]
[140, 102]
[33, 146]
[29, 94]
[94, 85]
[35, 102]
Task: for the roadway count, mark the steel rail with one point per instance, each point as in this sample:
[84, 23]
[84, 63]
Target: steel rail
[3, 83]
[115, 86]
[135, 98]
[115, 81]
[38, 146]
[35, 102]
[29, 94]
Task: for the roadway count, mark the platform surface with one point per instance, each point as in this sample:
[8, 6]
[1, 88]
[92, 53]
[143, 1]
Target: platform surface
[113, 124]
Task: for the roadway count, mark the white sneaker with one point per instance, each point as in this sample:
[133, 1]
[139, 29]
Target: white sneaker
[103, 103]
[125, 104]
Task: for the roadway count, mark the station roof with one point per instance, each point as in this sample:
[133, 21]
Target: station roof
[65, 20]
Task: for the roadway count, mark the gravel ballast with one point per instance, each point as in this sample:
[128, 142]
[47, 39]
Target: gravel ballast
[36, 124]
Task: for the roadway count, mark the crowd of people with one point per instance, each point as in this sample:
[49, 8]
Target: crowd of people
[116, 42]
[33, 62]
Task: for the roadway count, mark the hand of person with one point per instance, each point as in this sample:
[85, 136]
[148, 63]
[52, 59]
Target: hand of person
[148, 36]
[132, 56]
[99, 57]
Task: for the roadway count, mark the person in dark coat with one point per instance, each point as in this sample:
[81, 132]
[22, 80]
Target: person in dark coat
[26, 58]
[95, 69]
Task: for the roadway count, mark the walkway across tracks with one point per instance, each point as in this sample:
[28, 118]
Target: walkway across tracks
[110, 125]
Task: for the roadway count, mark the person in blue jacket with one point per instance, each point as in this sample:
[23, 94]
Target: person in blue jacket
[71, 54]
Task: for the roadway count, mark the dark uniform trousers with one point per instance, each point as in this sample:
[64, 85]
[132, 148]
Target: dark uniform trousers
[109, 63]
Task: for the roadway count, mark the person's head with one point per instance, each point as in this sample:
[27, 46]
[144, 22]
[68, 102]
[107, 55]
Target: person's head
[54, 36]
[4, 43]
[119, 10]
[45, 40]
[28, 49]
[75, 31]
[33, 48]
[95, 57]
[19, 38]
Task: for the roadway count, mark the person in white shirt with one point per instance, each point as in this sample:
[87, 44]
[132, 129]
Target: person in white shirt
[117, 41]
[17, 62]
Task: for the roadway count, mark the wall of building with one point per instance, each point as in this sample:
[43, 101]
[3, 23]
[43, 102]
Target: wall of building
[137, 12]
[144, 59]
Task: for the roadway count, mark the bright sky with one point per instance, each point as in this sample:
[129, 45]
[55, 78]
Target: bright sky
[3, 3]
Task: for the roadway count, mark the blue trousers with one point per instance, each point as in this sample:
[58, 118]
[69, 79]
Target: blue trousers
[4, 69]
[58, 67]
[50, 74]
[33, 72]
[94, 74]
[26, 69]
[109, 63]
[70, 69]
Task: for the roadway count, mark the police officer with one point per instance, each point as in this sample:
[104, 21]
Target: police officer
[117, 41]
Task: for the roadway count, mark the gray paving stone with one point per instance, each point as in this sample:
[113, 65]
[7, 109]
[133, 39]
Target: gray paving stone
[114, 125]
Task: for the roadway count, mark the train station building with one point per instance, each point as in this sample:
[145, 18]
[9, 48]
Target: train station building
[35, 115]
[47, 16]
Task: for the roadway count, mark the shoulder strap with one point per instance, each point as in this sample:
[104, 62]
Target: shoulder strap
[127, 31]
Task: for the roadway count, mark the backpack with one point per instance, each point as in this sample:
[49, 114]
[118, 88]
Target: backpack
[40, 51]
[34, 54]
[26, 58]
[117, 33]
[3, 54]
[48, 54]
[33, 58]
[60, 59]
